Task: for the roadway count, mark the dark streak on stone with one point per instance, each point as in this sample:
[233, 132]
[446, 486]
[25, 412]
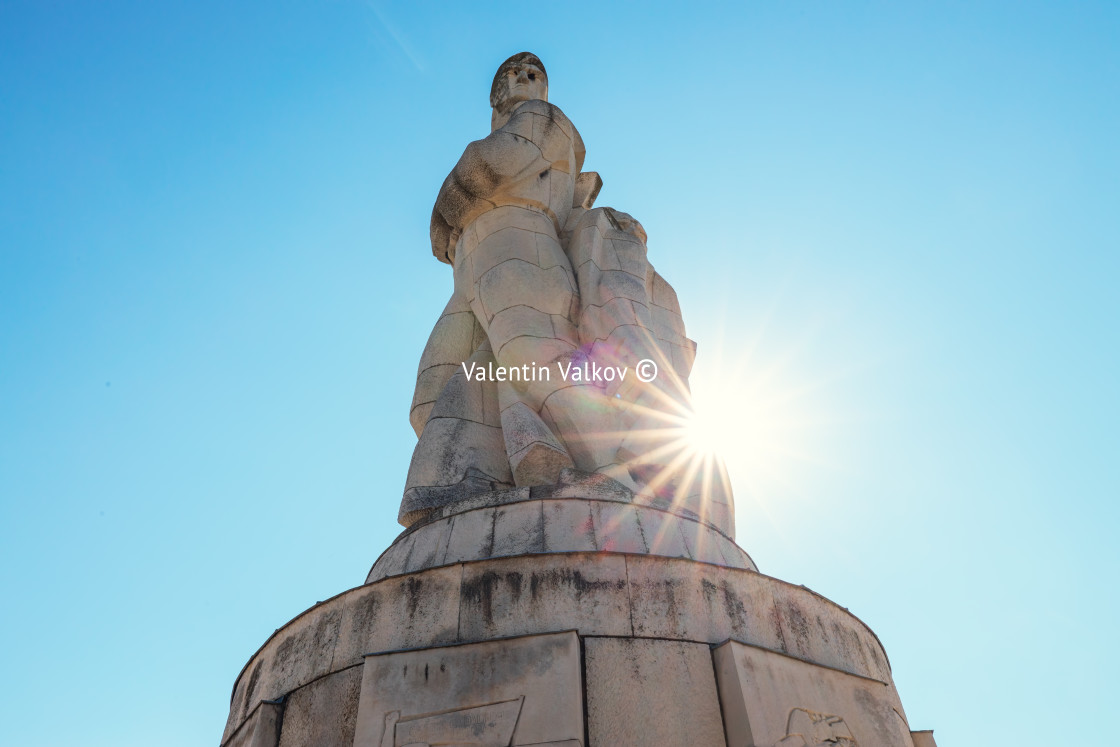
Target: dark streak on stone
[415, 594]
[734, 607]
[776, 621]
[800, 627]
[254, 678]
[514, 581]
[480, 591]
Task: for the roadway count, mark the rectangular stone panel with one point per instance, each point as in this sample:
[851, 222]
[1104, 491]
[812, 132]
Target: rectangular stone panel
[304, 649]
[420, 610]
[515, 596]
[261, 729]
[698, 602]
[772, 700]
[323, 712]
[472, 536]
[644, 692]
[816, 629]
[516, 691]
[568, 526]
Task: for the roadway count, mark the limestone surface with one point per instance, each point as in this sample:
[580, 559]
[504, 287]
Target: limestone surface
[593, 593]
[643, 692]
[774, 699]
[523, 691]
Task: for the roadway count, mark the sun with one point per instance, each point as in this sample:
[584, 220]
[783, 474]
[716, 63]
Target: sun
[754, 418]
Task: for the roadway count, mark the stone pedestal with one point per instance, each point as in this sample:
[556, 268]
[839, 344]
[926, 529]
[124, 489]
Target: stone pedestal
[557, 620]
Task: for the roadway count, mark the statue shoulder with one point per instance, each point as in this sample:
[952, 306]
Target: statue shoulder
[521, 123]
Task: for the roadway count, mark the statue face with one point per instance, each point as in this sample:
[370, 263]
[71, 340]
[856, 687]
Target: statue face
[524, 81]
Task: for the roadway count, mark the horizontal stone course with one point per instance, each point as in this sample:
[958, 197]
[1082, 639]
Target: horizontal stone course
[595, 594]
[522, 525]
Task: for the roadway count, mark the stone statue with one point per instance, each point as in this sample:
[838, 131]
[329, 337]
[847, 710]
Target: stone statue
[530, 376]
[568, 573]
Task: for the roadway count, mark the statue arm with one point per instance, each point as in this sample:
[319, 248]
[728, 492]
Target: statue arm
[486, 166]
[443, 235]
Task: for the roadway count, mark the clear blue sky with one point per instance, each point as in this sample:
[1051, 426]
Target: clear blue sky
[893, 228]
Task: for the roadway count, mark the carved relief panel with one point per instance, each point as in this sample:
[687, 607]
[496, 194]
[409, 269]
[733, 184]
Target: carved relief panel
[772, 700]
[506, 693]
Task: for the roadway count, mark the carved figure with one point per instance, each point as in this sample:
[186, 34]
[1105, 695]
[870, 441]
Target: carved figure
[545, 285]
[806, 728]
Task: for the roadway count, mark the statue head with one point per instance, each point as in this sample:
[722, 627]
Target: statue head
[520, 78]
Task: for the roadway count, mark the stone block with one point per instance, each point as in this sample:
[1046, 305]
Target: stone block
[522, 691]
[599, 322]
[428, 546]
[549, 253]
[703, 543]
[679, 599]
[563, 326]
[664, 533]
[493, 221]
[430, 381]
[303, 650]
[510, 242]
[450, 447]
[617, 528]
[590, 486]
[587, 189]
[515, 321]
[820, 631]
[535, 456]
[568, 526]
[391, 562]
[662, 294]
[472, 536]
[515, 283]
[667, 325]
[461, 398]
[733, 555]
[632, 257]
[323, 713]
[621, 284]
[260, 729]
[516, 596]
[415, 610]
[683, 355]
[649, 692]
[450, 340]
[518, 529]
[771, 699]
[923, 738]
[589, 245]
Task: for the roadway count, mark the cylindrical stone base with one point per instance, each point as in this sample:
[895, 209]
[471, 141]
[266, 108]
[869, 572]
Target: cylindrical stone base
[575, 648]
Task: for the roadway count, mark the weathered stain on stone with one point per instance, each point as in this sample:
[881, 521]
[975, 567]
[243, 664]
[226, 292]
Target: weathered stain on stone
[823, 629]
[775, 617]
[514, 581]
[324, 712]
[415, 588]
[251, 689]
[874, 709]
[799, 626]
[481, 591]
[734, 607]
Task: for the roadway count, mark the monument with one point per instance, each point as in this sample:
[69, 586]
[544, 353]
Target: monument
[568, 574]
